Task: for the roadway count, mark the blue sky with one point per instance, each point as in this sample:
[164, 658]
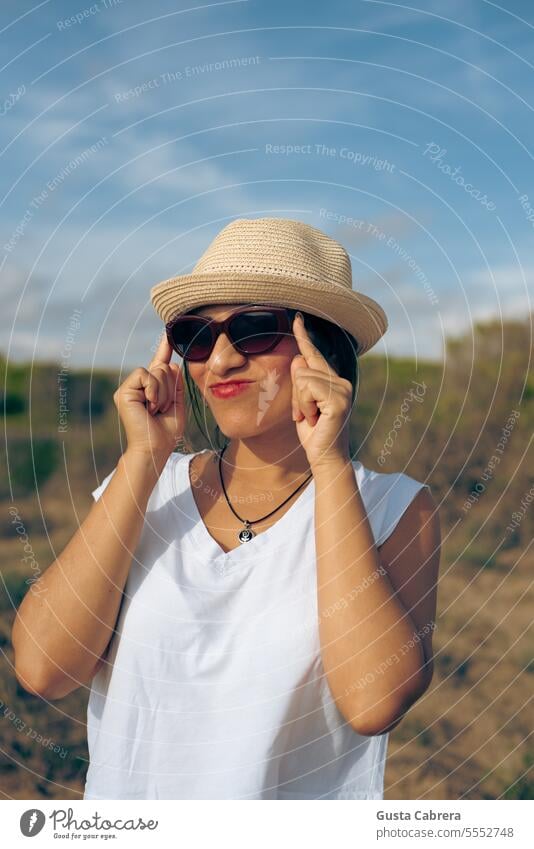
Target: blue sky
[132, 133]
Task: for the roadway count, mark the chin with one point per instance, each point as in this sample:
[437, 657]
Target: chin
[243, 424]
[236, 430]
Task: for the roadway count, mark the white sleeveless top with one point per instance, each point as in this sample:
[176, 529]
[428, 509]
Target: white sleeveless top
[214, 686]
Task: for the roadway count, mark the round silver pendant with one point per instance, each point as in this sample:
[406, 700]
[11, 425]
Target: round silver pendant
[246, 535]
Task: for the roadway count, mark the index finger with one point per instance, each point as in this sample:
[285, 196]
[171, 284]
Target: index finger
[309, 351]
[163, 353]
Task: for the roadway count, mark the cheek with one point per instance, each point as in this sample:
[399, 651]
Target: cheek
[284, 353]
[276, 368]
[197, 373]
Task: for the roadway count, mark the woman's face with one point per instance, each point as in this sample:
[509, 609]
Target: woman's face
[266, 401]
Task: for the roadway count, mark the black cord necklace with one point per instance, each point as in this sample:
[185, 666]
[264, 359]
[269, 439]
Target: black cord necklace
[247, 533]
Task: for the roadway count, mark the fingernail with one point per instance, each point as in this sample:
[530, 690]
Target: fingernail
[299, 315]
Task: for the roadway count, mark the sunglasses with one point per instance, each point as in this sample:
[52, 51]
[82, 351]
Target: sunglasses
[251, 330]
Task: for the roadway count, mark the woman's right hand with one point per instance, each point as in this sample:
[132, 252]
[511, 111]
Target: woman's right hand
[150, 403]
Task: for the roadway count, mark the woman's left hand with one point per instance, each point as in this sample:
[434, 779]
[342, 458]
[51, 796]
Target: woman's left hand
[321, 403]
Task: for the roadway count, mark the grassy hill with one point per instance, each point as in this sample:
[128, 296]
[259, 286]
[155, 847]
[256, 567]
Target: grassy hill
[465, 426]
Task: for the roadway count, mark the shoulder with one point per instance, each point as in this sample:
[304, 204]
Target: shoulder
[172, 480]
[410, 551]
[390, 496]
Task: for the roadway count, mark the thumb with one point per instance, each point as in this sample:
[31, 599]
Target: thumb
[298, 361]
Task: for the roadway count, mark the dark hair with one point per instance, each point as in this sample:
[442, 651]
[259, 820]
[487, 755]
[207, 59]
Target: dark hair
[335, 344]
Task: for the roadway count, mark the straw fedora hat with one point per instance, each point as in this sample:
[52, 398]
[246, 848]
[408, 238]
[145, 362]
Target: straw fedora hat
[280, 262]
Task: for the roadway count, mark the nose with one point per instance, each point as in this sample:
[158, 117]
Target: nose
[224, 356]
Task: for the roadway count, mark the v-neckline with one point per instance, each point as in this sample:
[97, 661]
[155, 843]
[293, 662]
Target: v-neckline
[257, 542]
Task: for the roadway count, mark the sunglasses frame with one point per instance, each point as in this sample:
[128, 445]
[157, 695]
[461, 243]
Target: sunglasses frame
[284, 325]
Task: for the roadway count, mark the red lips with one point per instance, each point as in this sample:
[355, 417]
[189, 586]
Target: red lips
[228, 382]
[230, 388]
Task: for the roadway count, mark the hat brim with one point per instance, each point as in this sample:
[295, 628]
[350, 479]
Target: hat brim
[358, 314]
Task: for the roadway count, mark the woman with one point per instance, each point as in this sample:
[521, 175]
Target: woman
[255, 619]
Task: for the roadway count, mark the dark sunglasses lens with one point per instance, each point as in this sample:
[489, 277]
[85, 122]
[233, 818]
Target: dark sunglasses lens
[192, 339]
[254, 332]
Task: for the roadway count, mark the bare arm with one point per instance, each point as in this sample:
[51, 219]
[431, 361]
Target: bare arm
[376, 609]
[66, 620]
